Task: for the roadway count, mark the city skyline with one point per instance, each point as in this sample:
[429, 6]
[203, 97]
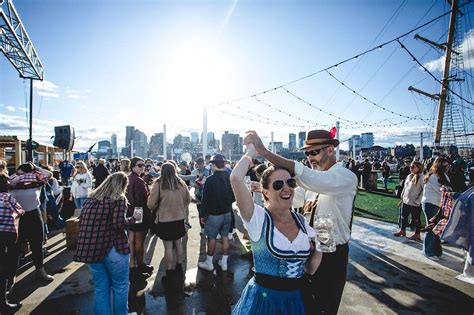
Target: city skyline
[230, 144]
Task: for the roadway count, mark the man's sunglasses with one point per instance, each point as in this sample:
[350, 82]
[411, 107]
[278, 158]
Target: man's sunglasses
[278, 184]
[315, 152]
[140, 165]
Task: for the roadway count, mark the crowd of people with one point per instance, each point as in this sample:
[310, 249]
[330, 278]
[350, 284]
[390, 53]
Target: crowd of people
[119, 203]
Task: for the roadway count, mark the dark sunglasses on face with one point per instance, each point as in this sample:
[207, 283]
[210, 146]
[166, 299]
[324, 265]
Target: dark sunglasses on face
[140, 165]
[278, 184]
[315, 152]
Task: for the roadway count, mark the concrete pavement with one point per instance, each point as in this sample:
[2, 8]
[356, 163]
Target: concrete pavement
[387, 275]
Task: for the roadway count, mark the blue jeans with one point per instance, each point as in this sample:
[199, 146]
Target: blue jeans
[79, 202]
[432, 243]
[111, 274]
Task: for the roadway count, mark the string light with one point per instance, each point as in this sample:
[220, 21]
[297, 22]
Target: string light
[372, 102]
[286, 113]
[349, 124]
[267, 121]
[273, 122]
[378, 47]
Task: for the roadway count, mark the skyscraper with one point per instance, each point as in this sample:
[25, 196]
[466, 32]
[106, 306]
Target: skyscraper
[301, 138]
[278, 146]
[194, 137]
[178, 142]
[156, 145]
[231, 143]
[129, 133]
[292, 142]
[113, 141]
[367, 140]
[211, 141]
[104, 147]
[354, 141]
[140, 144]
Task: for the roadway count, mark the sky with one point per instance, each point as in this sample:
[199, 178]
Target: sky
[110, 64]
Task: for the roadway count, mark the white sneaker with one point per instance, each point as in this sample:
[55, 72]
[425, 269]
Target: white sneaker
[223, 266]
[218, 237]
[206, 266]
[231, 236]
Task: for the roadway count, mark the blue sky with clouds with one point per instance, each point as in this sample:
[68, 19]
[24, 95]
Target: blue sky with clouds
[109, 64]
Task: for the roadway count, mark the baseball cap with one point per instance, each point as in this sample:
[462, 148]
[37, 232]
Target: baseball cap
[217, 158]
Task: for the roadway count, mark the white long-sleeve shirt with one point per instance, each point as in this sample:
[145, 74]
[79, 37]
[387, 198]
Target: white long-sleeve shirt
[29, 199]
[81, 190]
[337, 188]
[431, 190]
[412, 193]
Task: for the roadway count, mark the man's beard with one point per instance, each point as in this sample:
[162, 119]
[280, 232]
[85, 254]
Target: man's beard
[320, 165]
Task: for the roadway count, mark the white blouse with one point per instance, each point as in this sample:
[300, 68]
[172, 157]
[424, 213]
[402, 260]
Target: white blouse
[255, 225]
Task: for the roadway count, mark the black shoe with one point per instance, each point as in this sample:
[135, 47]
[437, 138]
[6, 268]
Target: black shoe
[146, 269]
[136, 275]
[9, 308]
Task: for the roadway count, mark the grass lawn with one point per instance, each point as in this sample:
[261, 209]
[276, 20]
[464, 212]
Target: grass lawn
[379, 207]
[391, 183]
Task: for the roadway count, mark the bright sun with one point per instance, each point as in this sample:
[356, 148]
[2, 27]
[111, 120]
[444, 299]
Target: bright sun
[197, 75]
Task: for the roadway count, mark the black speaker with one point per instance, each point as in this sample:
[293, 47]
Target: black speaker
[64, 137]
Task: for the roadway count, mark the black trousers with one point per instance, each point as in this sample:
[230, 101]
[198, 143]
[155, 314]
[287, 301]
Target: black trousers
[415, 217]
[327, 284]
[31, 230]
[8, 259]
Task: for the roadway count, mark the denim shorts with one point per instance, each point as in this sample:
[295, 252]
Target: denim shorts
[216, 224]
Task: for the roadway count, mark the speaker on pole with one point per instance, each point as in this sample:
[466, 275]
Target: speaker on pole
[64, 137]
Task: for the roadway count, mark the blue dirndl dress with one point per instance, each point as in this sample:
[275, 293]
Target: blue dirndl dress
[270, 260]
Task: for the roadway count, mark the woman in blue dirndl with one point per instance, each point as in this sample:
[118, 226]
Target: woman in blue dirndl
[281, 244]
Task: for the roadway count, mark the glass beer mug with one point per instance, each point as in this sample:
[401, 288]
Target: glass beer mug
[324, 226]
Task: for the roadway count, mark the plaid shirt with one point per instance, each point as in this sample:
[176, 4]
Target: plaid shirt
[34, 176]
[102, 226]
[446, 205]
[28, 180]
[10, 210]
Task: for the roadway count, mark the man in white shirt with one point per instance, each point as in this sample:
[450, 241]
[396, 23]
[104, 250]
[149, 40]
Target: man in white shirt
[337, 187]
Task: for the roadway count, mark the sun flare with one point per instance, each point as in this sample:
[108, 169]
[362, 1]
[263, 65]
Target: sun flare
[196, 75]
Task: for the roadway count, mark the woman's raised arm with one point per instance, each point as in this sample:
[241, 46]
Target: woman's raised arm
[241, 192]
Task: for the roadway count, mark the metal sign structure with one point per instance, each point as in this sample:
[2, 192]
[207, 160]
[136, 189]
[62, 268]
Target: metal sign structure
[16, 45]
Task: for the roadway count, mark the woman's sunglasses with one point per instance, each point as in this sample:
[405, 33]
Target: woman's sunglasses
[278, 184]
[315, 152]
[140, 165]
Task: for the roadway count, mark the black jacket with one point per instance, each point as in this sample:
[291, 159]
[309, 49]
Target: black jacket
[217, 197]
[100, 173]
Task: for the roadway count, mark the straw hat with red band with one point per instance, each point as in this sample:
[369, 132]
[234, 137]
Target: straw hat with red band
[317, 137]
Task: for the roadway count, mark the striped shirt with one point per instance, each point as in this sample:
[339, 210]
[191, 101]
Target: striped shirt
[10, 210]
[102, 226]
